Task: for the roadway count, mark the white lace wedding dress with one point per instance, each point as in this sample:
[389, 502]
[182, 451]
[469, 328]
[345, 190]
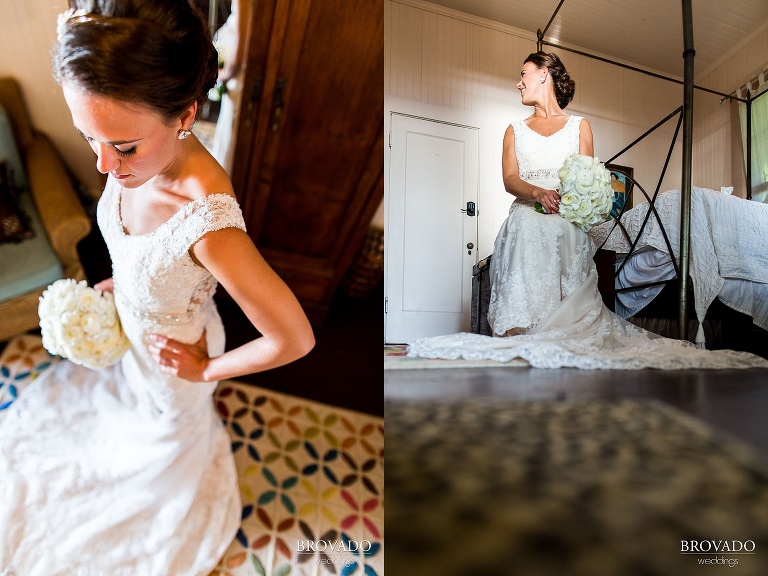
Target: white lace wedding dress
[545, 307]
[126, 470]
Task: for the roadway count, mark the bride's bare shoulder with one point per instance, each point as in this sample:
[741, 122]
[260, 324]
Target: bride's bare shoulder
[206, 177]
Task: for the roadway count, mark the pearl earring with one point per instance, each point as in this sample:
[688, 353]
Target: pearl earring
[543, 79]
[184, 134]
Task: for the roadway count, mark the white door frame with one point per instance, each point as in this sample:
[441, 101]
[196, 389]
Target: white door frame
[458, 318]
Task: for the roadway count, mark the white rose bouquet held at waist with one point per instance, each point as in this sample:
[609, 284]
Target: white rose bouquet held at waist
[586, 195]
[81, 324]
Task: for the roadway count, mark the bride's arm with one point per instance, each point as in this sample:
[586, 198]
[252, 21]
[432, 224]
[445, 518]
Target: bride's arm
[232, 258]
[586, 145]
[513, 184]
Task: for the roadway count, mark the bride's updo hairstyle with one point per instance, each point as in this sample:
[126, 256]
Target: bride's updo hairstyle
[155, 53]
[565, 87]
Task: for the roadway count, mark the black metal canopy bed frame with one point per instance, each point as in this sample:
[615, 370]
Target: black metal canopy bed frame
[675, 300]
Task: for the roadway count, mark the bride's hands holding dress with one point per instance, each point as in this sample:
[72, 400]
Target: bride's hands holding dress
[187, 361]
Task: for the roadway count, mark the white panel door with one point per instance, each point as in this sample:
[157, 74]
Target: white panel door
[430, 235]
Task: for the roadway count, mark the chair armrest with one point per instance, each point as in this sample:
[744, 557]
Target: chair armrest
[61, 212]
[605, 264]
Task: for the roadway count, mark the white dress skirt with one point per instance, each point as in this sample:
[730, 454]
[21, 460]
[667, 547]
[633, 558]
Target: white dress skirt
[126, 470]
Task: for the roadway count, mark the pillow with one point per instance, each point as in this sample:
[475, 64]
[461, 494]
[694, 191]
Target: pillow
[9, 152]
[14, 223]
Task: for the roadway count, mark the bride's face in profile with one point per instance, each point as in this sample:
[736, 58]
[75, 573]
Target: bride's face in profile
[133, 143]
[530, 84]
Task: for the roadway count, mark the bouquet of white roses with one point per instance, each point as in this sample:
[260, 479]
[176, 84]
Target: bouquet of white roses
[586, 195]
[80, 323]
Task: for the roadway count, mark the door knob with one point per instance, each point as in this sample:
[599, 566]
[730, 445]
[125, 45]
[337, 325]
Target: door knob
[470, 245]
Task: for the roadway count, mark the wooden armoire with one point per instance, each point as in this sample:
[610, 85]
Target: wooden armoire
[309, 161]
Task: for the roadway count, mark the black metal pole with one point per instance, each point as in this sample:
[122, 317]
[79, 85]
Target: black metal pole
[639, 138]
[685, 193]
[541, 42]
[551, 20]
[749, 144]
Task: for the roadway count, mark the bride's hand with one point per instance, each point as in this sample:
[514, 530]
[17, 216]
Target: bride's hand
[187, 361]
[107, 285]
[550, 200]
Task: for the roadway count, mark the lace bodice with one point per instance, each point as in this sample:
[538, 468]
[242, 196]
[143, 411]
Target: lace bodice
[159, 289]
[156, 280]
[540, 157]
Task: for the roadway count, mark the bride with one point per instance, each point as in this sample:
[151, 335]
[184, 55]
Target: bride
[545, 306]
[127, 470]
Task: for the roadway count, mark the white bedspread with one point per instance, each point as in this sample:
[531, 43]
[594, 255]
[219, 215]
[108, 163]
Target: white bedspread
[729, 241]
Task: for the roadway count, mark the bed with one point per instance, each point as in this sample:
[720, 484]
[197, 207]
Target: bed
[728, 265]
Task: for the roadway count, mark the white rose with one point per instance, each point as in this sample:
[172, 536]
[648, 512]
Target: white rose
[567, 201]
[72, 333]
[585, 207]
[81, 324]
[88, 301]
[585, 178]
[69, 318]
[109, 318]
[91, 324]
[82, 350]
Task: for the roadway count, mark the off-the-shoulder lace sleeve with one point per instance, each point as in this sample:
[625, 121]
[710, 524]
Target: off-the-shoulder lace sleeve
[207, 214]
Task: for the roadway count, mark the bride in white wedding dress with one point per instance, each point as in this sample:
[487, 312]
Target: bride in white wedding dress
[127, 470]
[545, 306]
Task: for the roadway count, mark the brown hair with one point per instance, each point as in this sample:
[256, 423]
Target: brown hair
[157, 53]
[565, 87]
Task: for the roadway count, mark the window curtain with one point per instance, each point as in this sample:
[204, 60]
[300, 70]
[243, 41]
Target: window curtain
[759, 136]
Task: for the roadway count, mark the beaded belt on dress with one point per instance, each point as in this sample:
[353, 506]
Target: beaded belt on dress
[159, 317]
[540, 174]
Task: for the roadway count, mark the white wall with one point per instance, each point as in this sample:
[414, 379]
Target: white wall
[457, 68]
[27, 36]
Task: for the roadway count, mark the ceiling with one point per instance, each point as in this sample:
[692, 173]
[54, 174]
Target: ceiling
[646, 33]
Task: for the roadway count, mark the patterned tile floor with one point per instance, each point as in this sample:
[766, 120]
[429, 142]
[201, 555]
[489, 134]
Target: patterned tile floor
[311, 476]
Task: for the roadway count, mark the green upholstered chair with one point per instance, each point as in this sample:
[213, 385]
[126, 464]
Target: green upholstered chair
[55, 211]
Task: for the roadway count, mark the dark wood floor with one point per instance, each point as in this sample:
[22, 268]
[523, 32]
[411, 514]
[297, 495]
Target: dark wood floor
[732, 401]
[345, 367]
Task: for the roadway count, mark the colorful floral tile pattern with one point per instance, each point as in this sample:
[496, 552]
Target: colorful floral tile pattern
[22, 360]
[311, 476]
[312, 484]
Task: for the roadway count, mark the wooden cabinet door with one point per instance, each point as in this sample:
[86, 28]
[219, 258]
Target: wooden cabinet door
[312, 177]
